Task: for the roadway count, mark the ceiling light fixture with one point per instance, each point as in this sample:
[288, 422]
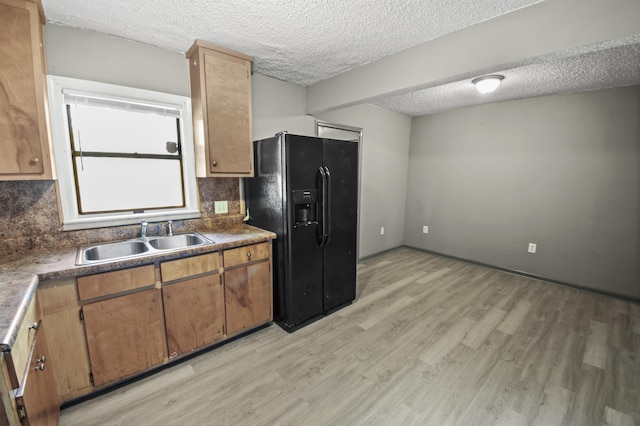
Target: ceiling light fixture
[488, 83]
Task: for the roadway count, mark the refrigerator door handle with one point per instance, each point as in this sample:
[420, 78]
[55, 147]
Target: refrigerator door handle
[322, 235]
[327, 226]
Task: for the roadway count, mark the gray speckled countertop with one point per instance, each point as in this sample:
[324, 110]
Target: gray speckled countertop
[21, 273]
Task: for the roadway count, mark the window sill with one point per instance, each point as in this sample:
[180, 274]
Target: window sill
[129, 219]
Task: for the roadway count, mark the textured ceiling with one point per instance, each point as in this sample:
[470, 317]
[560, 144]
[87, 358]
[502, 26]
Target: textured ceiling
[606, 65]
[292, 40]
[304, 42]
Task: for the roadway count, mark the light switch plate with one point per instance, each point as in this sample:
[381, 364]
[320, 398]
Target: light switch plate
[221, 207]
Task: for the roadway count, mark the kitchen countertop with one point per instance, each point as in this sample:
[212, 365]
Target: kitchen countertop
[21, 273]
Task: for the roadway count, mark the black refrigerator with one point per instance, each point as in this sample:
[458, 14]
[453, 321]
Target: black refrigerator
[305, 190]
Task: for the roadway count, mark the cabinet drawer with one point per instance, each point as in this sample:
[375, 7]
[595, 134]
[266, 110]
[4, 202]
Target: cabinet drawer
[22, 345]
[246, 254]
[196, 265]
[92, 286]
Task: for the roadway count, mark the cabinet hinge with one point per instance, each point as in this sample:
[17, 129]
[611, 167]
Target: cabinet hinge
[81, 315]
[91, 379]
[22, 413]
[220, 277]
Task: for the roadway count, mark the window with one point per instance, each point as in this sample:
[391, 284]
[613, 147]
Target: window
[122, 154]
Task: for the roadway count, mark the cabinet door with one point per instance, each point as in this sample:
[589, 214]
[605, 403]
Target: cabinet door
[38, 398]
[247, 292]
[21, 350]
[193, 313]
[124, 335]
[24, 138]
[228, 106]
[65, 337]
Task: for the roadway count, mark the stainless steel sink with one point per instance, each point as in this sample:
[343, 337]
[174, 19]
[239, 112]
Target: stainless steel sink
[115, 250]
[172, 242]
[122, 250]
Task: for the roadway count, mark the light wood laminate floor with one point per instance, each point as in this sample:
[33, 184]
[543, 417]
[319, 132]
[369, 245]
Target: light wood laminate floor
[429, 341]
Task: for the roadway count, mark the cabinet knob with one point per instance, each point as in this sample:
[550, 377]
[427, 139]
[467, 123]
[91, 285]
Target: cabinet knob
[249, 255]
[34, 161]
[34, 326]
[214, 163]
[42, 360]
[39, 367]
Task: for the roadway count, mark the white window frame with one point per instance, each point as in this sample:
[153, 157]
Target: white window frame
[70, 216]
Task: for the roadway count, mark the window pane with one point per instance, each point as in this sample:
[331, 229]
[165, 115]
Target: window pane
[113, 184]
[119, 130]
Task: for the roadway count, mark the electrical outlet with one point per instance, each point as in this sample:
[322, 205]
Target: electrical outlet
[221, 207]
[425, 229]
[382, 231]
[532, 247]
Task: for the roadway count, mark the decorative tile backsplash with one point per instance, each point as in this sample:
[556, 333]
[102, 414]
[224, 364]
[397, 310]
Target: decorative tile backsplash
[29, 217]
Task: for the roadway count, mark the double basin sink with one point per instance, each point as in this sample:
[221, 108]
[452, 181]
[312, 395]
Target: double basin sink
[122, 250]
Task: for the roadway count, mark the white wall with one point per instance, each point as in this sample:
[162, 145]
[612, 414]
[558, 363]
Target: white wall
[275, 98]
[279, 106]
[561, 171]
[383, 178]
[90, 55]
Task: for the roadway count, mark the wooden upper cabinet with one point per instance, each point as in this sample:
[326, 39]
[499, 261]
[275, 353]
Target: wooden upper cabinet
[221, 102]
[24, 127]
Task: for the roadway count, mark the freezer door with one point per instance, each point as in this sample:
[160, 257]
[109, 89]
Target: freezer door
[265, 201]
[341, 161]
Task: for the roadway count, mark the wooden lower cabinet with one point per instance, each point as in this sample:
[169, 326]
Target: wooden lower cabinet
[110, 326]
[194, 315]
[28, 393]
[247, 297]
[124, 335]
[37, 399]
[65, 337]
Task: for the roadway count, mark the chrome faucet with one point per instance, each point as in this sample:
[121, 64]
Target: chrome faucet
[143, 229]
[170, 227]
